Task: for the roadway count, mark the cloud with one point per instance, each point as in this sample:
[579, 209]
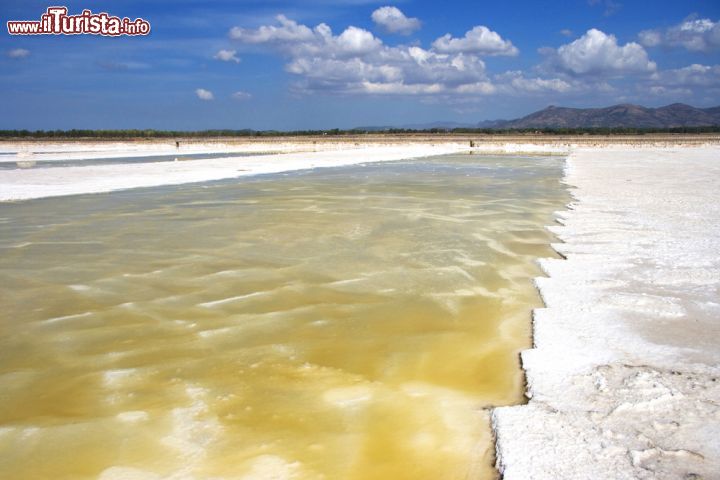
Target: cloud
[295, 39]
[667, 92]
[407, 70]
[203, 94]
[240, 95]
[355, 41]
[287, 31]
[566, 32]
[516, 82]
[693, 75]
[480, 40]
[483, 88]
[227, 56]
[402, 88]
[18, 53]
[694, 34]
[596, 53]
[392, 20]
[355, 61]
[689, 81]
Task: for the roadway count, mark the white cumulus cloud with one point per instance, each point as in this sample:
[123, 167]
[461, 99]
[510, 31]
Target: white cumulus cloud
[227, 56]
[480, 40]
[356, 61]
[393, 71]
[354, 41]
[18, 53]
[203, 94]
[296, 40]
[287, 31]
[393, 20]
[597, 53]
[694, 34]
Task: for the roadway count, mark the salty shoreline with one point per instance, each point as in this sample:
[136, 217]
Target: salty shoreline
[624, 375]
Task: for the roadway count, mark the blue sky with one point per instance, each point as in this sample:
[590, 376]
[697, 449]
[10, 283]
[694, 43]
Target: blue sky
[345, 63]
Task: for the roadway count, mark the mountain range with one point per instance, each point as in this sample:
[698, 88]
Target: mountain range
[616, 116]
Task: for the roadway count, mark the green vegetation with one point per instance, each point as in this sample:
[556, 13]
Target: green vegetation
[125, 134]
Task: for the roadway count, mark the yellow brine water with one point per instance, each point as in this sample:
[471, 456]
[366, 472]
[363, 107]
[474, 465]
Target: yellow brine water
[342, 323]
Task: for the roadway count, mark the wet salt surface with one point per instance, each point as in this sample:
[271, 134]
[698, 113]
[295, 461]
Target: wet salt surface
[340, 323]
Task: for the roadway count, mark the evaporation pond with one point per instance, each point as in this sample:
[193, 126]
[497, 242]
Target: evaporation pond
[338, 323]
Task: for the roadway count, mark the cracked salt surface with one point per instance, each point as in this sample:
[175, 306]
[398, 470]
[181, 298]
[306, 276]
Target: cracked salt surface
[624, 376]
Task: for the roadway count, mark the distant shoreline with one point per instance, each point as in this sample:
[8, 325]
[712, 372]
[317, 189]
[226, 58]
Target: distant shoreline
[385, 138]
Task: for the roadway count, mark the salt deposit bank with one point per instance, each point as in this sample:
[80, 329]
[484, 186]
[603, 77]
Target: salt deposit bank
[624, 377]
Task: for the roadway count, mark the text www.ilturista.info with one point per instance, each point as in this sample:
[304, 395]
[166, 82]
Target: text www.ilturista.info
[56, 21]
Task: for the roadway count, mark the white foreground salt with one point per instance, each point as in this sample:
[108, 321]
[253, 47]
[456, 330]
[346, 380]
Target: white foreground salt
[624, 378]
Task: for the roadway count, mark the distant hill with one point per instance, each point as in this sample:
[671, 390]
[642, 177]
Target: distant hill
[618, 116]
[491, 123]
[624, 115]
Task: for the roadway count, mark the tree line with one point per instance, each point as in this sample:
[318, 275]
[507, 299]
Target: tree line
[135, 133]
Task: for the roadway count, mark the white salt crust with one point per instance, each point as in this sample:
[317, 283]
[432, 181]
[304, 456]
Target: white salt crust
[624, 376]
